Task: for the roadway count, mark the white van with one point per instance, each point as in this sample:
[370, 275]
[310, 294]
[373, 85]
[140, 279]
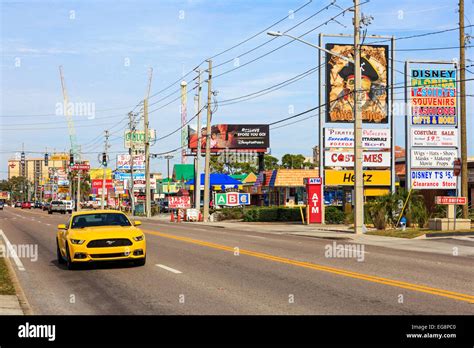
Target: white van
[69, 206]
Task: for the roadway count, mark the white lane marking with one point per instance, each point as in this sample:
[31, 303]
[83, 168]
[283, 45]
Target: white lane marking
[12, 252]
[249, 235]
[169, 269]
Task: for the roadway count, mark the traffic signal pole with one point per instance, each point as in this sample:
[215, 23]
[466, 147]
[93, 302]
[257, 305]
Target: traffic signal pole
[102, 203]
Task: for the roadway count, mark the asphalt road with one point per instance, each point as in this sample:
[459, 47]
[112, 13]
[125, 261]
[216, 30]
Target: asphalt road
[195, 269]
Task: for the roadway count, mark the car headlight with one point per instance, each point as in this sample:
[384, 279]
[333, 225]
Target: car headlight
[139, 238]
[77, 241]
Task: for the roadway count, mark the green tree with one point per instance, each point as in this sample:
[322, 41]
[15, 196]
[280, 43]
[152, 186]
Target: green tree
[290, 161]
[271, 162]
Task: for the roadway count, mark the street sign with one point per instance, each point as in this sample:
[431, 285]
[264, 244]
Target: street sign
[451, 200]
[80, 166]
[179, 202]
[457, 166]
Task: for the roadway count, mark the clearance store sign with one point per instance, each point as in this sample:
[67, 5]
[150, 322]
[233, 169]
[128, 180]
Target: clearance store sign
[433, 179]
[346, 177]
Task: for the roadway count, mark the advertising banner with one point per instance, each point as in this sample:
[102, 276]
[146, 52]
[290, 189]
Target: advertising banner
[433, 97]
[232, 137]
[179, 202]
[344, 137]
[346, 177]
[433, 158]
[346, 159]
[59, 157]
[80, 166]
[315, 199]
[433, 179]
[232, 199]
[4, 195]
[137, 138]
[434, 137]
[98, 173]
[451, 200]
[97, 183]
[127, 176]
[141, 183]
[124, 162]
[340, 83]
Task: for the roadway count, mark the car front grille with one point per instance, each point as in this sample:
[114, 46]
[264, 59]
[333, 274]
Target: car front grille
[107, 243]
[105, 256]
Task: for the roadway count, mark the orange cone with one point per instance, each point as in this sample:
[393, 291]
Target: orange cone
[179, 217]
[172, 217]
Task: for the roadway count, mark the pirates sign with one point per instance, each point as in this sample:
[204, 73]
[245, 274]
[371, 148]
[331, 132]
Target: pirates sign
[340, 84]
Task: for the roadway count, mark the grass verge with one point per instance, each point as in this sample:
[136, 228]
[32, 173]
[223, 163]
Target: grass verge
[6, 285]
[410, 232]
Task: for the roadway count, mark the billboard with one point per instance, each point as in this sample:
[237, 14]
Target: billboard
[232, 137]
[346, 177]
[340, 83]
[346, 159]
[434, 137]
[127, 176]
[432, 179]
[232, 199]
[442, 158]
[124, 162]
[344, 137]
[433, 97]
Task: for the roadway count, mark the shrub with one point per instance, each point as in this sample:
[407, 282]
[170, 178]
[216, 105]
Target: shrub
[268, 214]
[334, 215]
[229, 214]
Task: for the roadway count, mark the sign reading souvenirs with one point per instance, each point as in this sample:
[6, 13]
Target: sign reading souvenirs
[433, 96]
[346, 159]
[340, 83]
[433, 158]
[344, 137]
[433, 179]
[434, 137]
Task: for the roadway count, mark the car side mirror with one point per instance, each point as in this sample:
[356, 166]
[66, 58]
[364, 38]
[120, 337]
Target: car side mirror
[137, 223]
[62, 227]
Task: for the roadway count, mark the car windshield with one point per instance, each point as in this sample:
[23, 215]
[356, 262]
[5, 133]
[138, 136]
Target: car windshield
[102, 219]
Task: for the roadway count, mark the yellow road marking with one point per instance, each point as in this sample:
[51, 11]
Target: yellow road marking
[356, 275]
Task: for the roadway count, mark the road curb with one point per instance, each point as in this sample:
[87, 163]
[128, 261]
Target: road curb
[22, 300]
[449, 234]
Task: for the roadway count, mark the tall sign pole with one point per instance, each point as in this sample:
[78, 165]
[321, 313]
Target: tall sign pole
[131, 126]
[208, 146]
[197, 182]
[104, 160]
[184, 110]
[358, 174]
[147, 148]
[463, 124]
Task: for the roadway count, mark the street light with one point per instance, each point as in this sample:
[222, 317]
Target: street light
[358, 175]
[277, 33]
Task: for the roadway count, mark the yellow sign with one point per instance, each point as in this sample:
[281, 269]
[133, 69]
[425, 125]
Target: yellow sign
[63, 189]
[59, 157]
[98, 173]
[346, 177]
[373, 192]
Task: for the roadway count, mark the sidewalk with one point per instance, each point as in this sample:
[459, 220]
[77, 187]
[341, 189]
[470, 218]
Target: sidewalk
[343, 234]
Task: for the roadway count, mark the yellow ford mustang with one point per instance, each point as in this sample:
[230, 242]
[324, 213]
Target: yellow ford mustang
[100, 235]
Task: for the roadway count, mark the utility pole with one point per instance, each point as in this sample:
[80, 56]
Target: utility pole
[208, 146]
[462, 71]
[78, 196]
[197, 182]
[106, 146]
[131, 126]
[147, 147]
[358, 173]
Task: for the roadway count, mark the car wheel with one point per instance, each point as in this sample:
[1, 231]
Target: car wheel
[50, 212]
[60, 257]
[70, 265]
[140, 262]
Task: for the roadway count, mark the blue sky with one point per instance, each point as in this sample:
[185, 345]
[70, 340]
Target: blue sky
[94, 40]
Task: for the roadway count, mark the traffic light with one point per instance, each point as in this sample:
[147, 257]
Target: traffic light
[104, 159]
[46, 159]
[71, 159]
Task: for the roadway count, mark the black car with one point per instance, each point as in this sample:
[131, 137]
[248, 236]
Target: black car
[1, 205]
[38, 205]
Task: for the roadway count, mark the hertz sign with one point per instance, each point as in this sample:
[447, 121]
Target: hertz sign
[346, 177]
